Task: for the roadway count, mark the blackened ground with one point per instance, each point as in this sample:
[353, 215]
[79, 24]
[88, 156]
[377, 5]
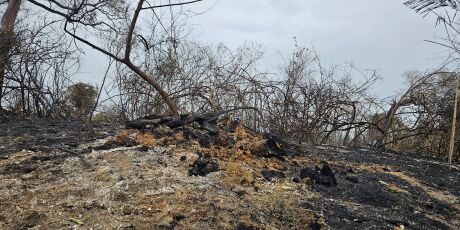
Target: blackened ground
[432, 172]
[378, 190]
[356, 189]
[47, 134]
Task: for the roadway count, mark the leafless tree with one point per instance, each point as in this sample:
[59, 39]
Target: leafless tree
[39, 67]
[421, 117]
[88, 20]
[7, 37]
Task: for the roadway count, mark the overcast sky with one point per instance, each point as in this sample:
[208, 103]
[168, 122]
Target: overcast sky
[375, 34]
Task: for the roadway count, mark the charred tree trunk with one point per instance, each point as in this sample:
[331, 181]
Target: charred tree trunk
[388, 121]
[7, 37]
[346, 139]
[127, 61]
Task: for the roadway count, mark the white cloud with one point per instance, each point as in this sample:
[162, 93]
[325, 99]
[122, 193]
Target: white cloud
[372, 33]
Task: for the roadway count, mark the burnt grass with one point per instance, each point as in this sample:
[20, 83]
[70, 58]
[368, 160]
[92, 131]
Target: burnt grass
[358, 189]
[46, 134]
[380, 206]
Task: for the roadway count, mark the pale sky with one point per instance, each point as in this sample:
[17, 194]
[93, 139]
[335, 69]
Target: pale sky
[373, 34]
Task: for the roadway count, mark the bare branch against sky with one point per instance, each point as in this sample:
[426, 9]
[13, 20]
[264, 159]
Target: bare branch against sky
[390, 39]
[424, 6]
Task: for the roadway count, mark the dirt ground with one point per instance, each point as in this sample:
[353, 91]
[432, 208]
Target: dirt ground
[72, 175]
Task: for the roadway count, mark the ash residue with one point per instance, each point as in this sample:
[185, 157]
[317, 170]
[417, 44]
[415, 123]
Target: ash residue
[162, 178]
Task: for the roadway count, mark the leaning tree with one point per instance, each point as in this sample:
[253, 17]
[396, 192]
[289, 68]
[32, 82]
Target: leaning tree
[449, 20]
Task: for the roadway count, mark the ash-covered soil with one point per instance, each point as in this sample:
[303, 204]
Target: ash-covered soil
[61, 175]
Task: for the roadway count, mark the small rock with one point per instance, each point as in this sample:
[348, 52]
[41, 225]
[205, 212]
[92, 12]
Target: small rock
[28, 169]
[183, 158]
[179, 217]
[329, 175]
[203, 166]
[127, 210]
[324, 176]
[245, 226]
[143, 148]
[269, 175]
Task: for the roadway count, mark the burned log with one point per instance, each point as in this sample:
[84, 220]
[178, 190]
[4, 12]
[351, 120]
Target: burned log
[206, 120]
[208, 129]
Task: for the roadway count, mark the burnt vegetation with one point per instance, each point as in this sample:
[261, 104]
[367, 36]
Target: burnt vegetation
[304, 102]
[174, 90]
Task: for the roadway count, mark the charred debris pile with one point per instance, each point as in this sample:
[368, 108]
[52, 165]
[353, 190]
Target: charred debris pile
[210, 131]
[217, 136]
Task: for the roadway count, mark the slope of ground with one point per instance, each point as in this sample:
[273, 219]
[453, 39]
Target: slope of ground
[56, 175]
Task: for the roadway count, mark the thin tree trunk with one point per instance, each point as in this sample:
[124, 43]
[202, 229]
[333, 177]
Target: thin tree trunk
[172, 106]
[100, 91]
[7, 37]
[454, 124]
[127, 61]
[387, 123]
[346, 141]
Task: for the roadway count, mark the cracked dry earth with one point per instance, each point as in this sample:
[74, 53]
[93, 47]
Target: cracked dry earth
[70, 175]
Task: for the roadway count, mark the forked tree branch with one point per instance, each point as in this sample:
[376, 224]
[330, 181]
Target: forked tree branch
[128, 45]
